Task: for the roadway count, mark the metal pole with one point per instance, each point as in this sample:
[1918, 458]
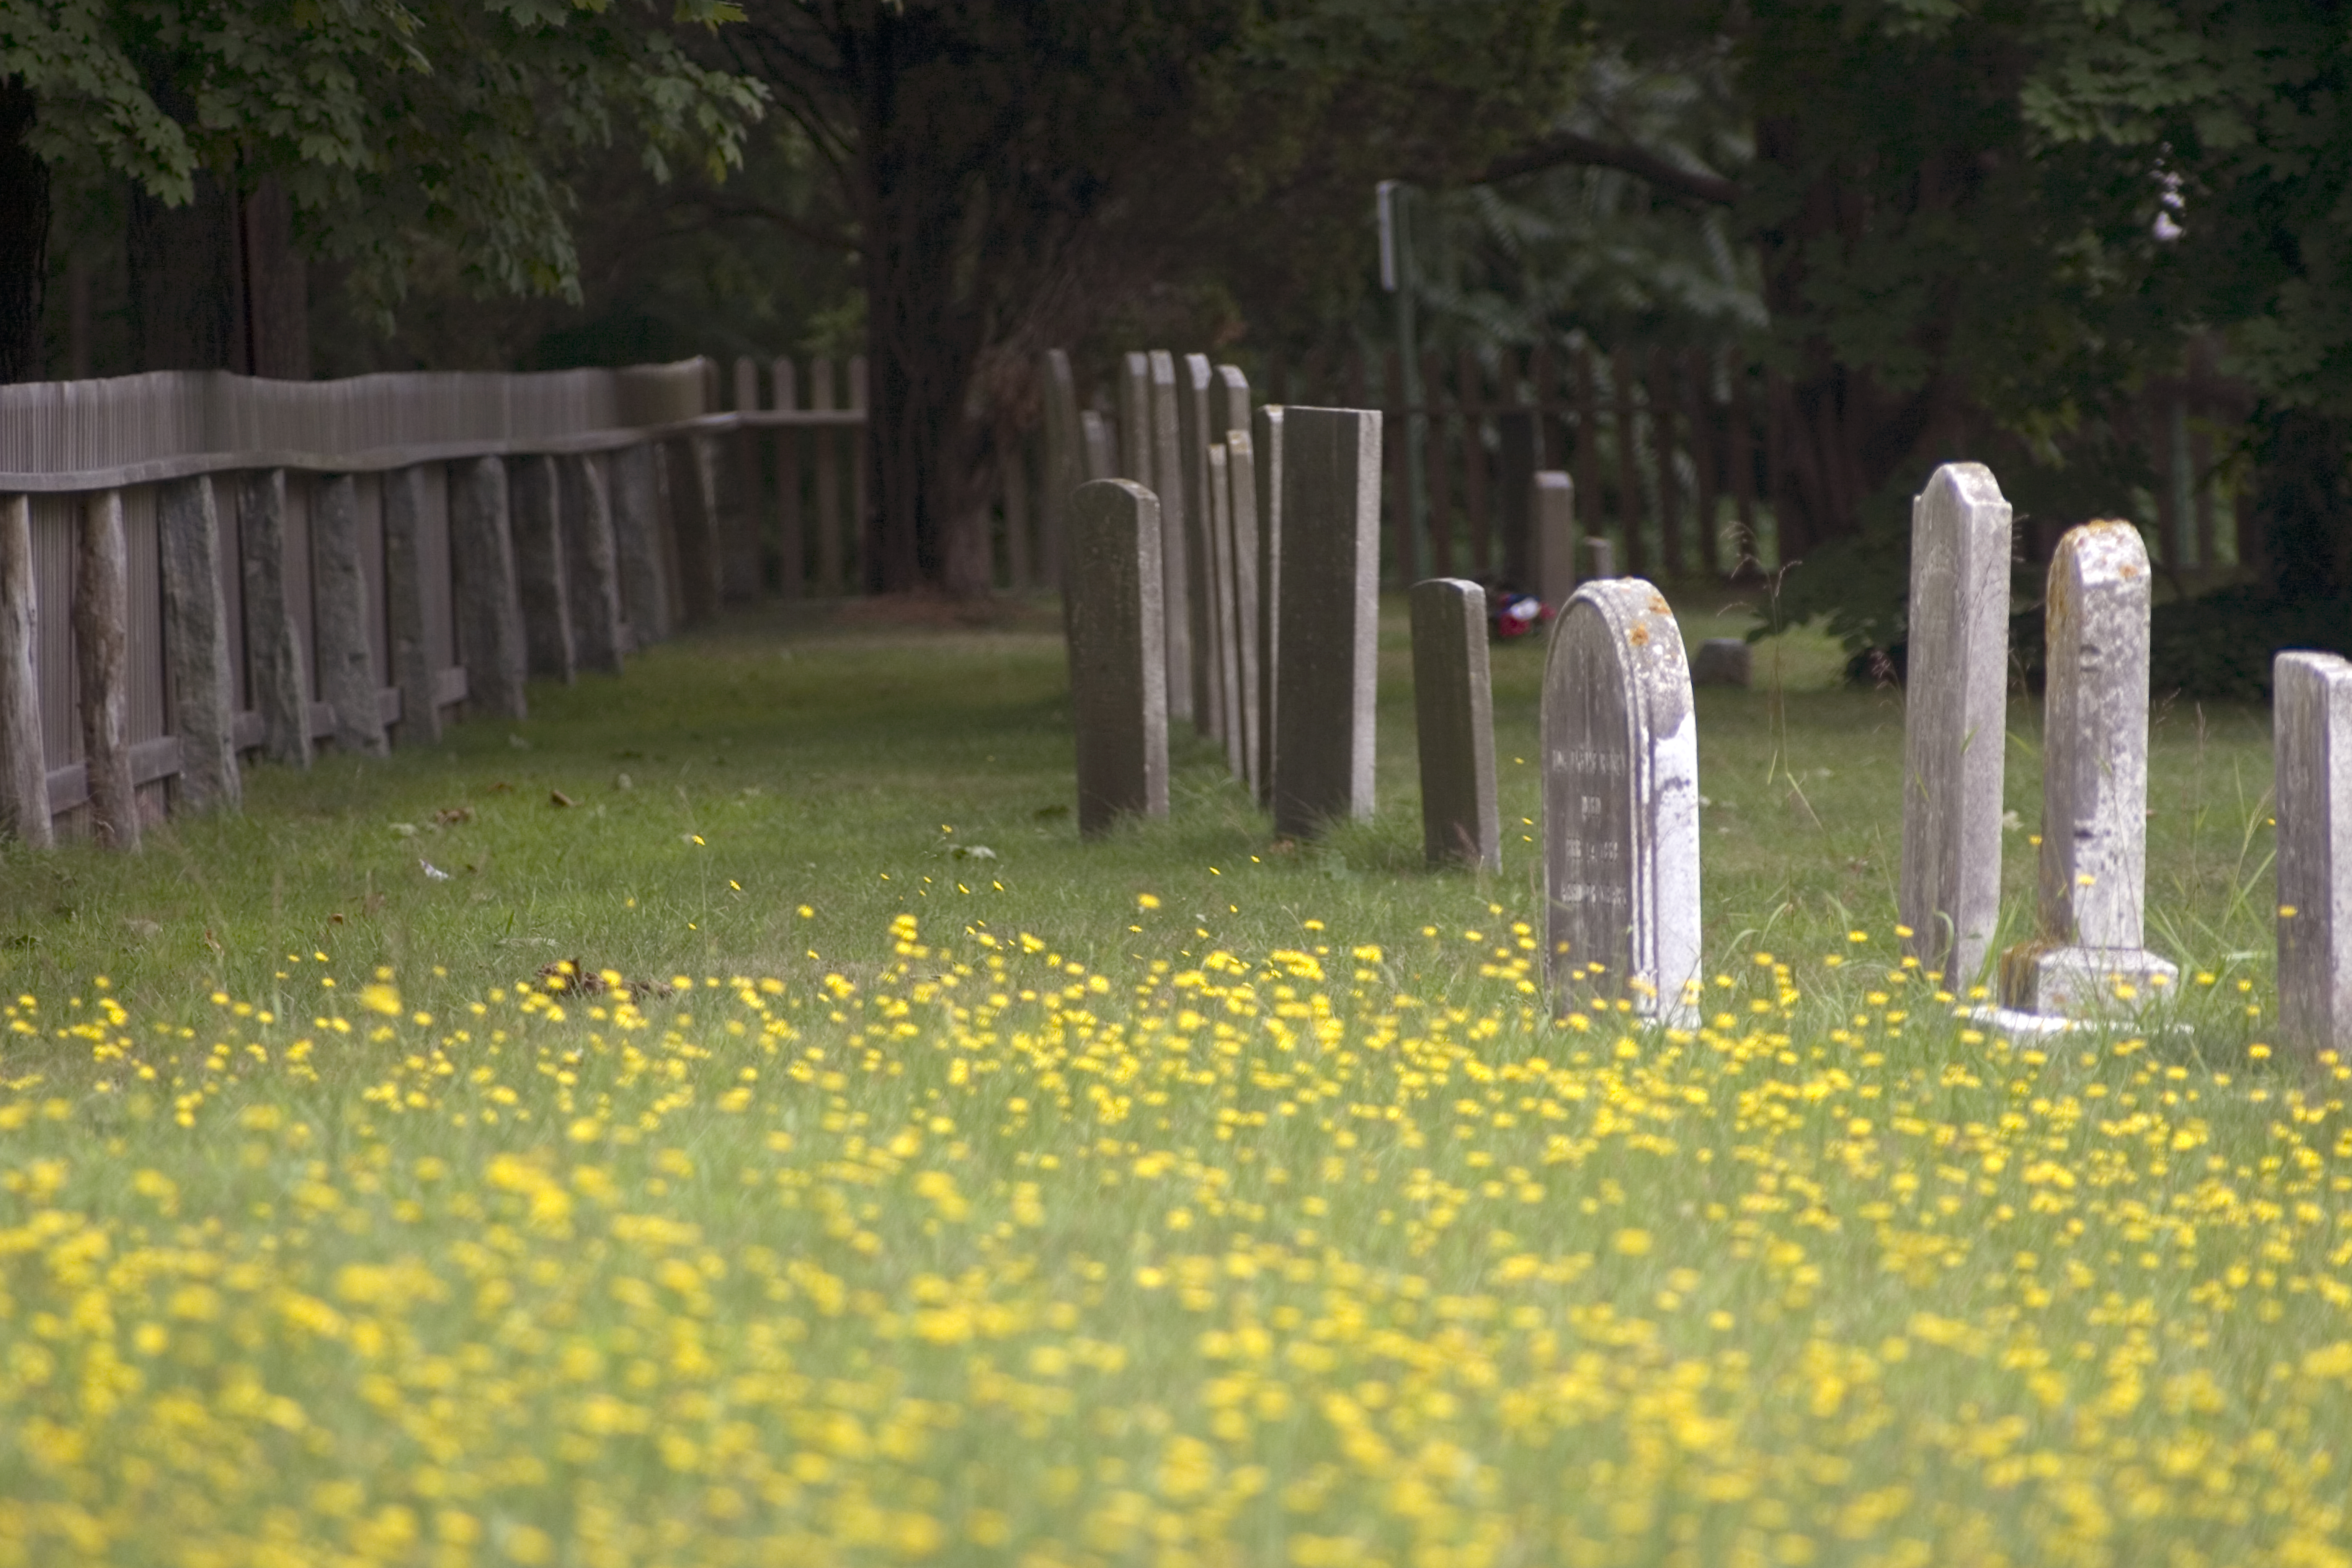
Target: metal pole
[1397, 276]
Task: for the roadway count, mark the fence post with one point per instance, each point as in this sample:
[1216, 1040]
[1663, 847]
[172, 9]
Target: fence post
[741, 578]
[588, 556]
[489, 611]
[101, 628]
[695, 506]
[273, 653]
[1664, 402]
[24, 763]
[1012, 458]
[1470, 392]
[859, 521]
[406, 600]
[1588, 441]
[1441, 504]
[347, 682]
[828, 480]
[537, 526]
[791, 549]
[1065, 461]
[636, 541]
[1629, 462]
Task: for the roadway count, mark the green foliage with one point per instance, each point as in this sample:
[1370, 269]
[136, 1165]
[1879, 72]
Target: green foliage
[401, 131]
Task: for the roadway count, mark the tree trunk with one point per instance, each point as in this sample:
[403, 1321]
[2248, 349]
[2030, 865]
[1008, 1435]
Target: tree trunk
[184, 288]
[24, 237]
[2301, 508]
[924, 448]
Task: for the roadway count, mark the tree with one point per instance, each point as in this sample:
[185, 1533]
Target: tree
[1017, 172]
[378, 135]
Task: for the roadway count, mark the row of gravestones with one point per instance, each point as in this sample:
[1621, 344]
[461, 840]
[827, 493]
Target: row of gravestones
[1621, 749]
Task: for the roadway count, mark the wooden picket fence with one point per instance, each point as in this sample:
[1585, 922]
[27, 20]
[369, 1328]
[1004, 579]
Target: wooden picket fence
[1676, 455]
[196, 565]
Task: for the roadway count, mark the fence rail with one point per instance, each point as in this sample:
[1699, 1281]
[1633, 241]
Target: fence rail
[198, 565]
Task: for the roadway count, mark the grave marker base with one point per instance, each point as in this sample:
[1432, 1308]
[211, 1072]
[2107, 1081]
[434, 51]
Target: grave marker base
[2102, 984]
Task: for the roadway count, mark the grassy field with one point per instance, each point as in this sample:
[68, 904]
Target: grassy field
[958, 1193]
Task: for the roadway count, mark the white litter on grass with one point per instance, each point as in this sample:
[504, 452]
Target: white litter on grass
[433, 871]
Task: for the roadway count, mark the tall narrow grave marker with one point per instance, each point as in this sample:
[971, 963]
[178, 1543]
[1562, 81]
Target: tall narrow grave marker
[1267, 431]
[1330, 617]
[1119, 694]
[2312, 726]
[2087, 957]
[1225, 641]
[1955, 707]
[1453, 710]
[1551, 510]
[1192, 470]
[1241, 458]
[1176, 578]
[1620, 805]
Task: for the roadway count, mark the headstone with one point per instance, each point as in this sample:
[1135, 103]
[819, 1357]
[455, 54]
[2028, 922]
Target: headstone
[1955, 712]
[101, 628]
[24, 760]
[1224, 649]
[1193, 438]
[489, 616]
[1118, 668]
[2312, 726]
[195, 642]
[1520, 432]
[1176, 574]
[1453, 709]
[1241, 462]
[2088, 959]
[1329, 674]
[1602, 555]
[339, 618]
[537, 524]
[1065, 461]
[1723, 661]
[273, 652]
[1135, 452]
[637, 555]
[591, 570]
[1551, 543]
[1620, 805]
[1101, 464]
[1267, 444]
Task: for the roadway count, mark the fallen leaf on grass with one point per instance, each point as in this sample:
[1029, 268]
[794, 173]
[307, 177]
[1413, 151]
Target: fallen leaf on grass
[557, 797]
[451, 815]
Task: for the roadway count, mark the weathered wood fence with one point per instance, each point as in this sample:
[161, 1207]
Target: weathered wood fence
[1678, 457]
[194, 566]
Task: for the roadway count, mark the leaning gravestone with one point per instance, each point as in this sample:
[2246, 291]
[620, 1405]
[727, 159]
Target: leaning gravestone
[1119, 694]
[1604, 557]
[1241, 456]
[1954, 708]
[1193, 438]
[1267, 444]
[1620, 805]
[2087, 958]
[2312, 727]
[1551, 508]
[1328, 678]
[1135, 420]
[1225, 651]
[1453, 710]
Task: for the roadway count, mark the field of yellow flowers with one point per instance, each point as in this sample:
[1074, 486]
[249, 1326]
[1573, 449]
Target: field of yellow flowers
[992, 1227]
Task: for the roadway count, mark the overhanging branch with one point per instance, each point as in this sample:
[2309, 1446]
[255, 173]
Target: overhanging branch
[1568, 147]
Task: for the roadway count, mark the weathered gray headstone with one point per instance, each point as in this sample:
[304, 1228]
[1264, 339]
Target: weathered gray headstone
[339, 618]
[24, 760]
[407, 597]
[591, 568]
[1241, 458]
[1955, 710]
[1177, 578]
[273, 653]
[1602, 555]
[1193, 438]
[195, 642]
[2088, 957]
[1551, 543]
[1135, 452]
[1224, 625]
[1101, 462]
[1065, 462]
[490, 613]
[1118, 668]
[535, 520]
[637, 555]
[2312, 731]
[1453, 709]
[1267, 442]
[1723, 661]
[1620, 805]
[101, 628]
[1328, 679]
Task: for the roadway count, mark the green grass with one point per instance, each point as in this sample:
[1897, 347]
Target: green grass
[1175, 1199]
